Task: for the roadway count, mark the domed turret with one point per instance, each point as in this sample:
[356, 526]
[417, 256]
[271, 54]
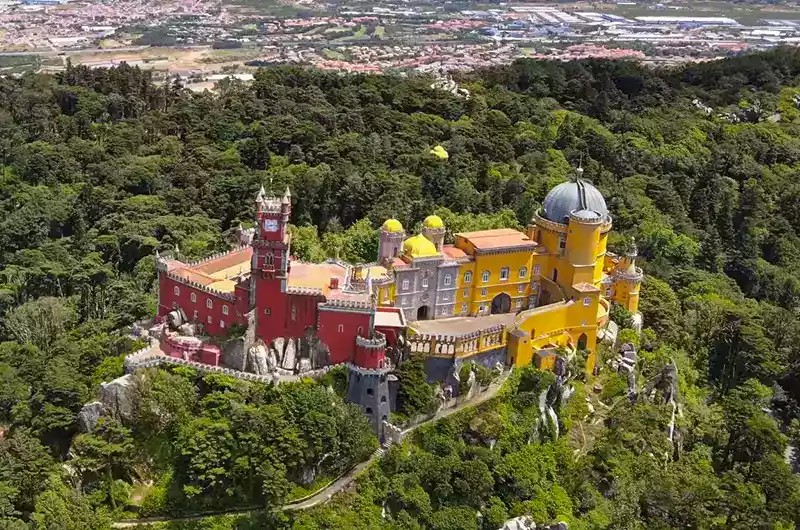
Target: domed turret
[390, 239]
[433, 221]
[570, 197]
[392, 225]
[419, 247]
[433, 230]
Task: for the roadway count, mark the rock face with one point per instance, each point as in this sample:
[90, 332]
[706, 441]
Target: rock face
[257, 360]
[278, 345]
[523, 522]
[289, 355]
[89, 415]
[117, 396]
[303, 366]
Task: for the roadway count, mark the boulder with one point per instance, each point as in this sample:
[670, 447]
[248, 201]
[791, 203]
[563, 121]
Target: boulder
[278, 344]
[89, 415]
[272, 360]
[308, 475]
[523, 522]
[260, 359]
[117, 396]
[303, 366]
[288, 362]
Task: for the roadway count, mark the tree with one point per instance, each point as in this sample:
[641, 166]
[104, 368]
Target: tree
[104, 453]
[415, 395]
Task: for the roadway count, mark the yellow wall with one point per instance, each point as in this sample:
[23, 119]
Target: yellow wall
[464, 291]
[495, 286]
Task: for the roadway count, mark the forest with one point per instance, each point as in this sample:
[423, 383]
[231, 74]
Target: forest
[101, 168]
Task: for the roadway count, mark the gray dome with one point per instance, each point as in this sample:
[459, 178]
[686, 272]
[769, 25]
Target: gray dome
[587, 215]
[572, 196]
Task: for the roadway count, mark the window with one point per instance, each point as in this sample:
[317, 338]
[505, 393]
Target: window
[534, 286]
[467, 276]
[194, 315]
[394, 252]
[463, 308]
[193, 296]
[404, 301]
[465, 294]
[536, 269]
[222, 324]
[444, 297]
[383, 400]
[176, 291]
[209, 319]
[266, 311]
[368, 410]
[294, 313]
[520, 287]
[405, 285]
[483, 308]
[225, 310]
[504, 273]
[360, 331]
[562, 243]
[448, 279]
[608, 291]
[484, 292]
[523, 272]
[587, 301]
[445, 312]
[370, 392]
[518, 304]
[269, 259]
[209, 303]
[555, 275]
[485, 276]
[424, 283]
[341, 328]
[383, 418]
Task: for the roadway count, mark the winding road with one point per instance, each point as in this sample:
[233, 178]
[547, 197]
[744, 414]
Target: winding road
[325, 494]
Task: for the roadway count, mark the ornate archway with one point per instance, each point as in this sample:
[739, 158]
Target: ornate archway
[501, 304]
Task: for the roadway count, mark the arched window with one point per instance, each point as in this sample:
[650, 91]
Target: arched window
[523, 272]
[448, 279]
[269, 259]
[176, 291]
[193, 297]
[369, 410]
[222, 324]
[485, 276]
[536, 269]
[370, 392]
[294, 313]
[467, 276]
[587, 301]
[209, 303]
[224, 310]
[341, 328]
[360, 331]
[383, 399]
[555, 275]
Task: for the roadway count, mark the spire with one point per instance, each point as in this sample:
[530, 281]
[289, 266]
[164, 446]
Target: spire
[287, 193]
[261, 194]
[287, 197]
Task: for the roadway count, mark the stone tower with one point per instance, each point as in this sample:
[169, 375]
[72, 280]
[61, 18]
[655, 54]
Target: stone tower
[368, 380]
[390, 240]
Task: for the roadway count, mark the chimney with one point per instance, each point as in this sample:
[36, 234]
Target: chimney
[334, 283]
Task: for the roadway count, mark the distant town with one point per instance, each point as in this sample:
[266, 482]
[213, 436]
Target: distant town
[205, 40]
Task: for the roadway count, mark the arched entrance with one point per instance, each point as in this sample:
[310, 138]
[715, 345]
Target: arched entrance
[501, 304]
[422, 313]
[582, 341]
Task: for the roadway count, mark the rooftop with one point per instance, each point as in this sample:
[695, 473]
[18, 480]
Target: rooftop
[457, 326]
[498, 238]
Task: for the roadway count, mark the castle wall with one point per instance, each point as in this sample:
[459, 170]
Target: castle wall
[213, 319]
[338, 330]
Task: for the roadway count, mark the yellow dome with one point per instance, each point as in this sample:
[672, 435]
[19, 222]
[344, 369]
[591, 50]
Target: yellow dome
[433, 221]
[419, 247]
[392, 225]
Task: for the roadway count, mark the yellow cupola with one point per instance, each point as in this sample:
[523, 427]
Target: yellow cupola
[434, 222]
[392, 225]
[419, 247]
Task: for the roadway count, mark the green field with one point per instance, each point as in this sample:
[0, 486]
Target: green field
[332, 54]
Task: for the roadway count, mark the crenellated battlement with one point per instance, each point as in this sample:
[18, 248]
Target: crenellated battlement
[350, 304]
[378, 341]
[304, 291]
[200, 287]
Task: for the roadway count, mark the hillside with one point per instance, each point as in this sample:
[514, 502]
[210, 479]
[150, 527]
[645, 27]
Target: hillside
[699, 165]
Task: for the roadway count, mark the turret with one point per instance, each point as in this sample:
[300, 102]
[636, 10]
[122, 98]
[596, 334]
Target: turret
[433, 230]
[390, 240]
[368, 385]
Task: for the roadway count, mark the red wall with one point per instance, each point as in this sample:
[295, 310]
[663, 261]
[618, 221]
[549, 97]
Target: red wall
[184, 300]
[305, 314]
[369, 357]
[269, 296]
[342, 343]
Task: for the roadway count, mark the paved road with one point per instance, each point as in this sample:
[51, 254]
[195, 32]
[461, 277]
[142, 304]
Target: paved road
[337, 486]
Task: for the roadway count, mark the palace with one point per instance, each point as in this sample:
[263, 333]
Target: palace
[492, 296]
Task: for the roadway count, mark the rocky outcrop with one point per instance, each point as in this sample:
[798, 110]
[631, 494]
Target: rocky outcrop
[117, 397]
[303, 366]
[525, 522]
[278, 345]
[289, 356]
[89, 415]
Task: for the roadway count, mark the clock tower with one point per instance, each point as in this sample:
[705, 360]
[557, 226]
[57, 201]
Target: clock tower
[269, 270]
